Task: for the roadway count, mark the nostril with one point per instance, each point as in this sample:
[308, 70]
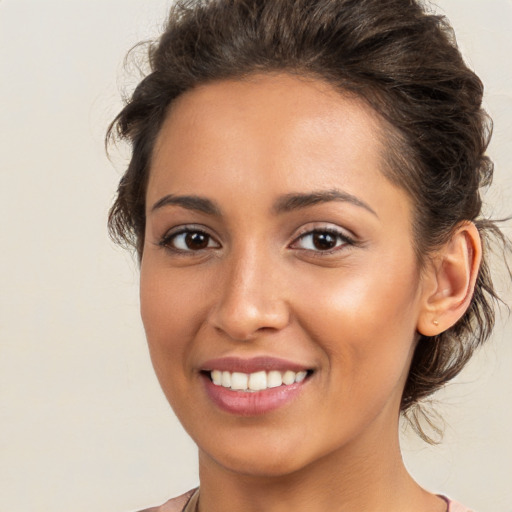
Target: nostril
[246, 323]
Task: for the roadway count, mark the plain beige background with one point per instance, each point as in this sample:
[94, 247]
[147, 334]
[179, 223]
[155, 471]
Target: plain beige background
[83, 424]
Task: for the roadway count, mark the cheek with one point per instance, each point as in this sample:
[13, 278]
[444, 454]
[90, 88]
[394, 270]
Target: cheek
[365, 320]
[363, 297]
[169, 303]
[168, 319]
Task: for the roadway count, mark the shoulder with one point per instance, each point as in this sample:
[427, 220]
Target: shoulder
[173, 505]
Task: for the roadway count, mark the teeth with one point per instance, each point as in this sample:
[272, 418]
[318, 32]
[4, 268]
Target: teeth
[288, 377]
[217, 377]
[257, 381]
[274, 379]
[226, 380]
[300, 376]
[239, 380]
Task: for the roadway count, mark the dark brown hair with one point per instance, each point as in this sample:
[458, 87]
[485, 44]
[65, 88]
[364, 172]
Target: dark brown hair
[395, 55]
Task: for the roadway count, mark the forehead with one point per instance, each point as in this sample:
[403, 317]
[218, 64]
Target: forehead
[268, 134]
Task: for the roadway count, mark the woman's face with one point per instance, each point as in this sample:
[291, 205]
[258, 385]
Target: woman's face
[278, 261]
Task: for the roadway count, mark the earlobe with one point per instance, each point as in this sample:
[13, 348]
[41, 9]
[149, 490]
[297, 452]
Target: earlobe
[450, 280]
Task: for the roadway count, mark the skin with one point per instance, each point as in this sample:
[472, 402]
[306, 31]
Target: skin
[260, 287]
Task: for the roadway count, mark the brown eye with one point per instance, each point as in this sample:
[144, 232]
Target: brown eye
[323, 241]
[196, 241]
[189, 241]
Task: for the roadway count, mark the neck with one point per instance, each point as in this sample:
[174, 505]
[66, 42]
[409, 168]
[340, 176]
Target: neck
[367, 480]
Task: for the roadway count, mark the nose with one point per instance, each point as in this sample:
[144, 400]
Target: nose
[250, 298]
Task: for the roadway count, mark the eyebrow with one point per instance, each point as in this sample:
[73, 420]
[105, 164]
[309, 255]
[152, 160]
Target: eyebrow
[291, 202]
[197, 203]
[284, 204]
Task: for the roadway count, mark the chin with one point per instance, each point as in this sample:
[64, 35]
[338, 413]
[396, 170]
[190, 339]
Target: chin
[258, 465]
[265, 455]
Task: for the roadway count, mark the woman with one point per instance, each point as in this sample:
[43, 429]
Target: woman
[304, 198]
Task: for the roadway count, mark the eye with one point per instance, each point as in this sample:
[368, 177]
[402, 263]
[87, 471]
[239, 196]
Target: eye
[322, 240]
[189, 240]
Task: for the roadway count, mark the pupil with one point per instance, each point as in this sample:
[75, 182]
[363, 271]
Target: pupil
[196, 241]
[324, 241]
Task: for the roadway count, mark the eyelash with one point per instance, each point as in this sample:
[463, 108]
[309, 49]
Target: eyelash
[170, 237]
[335, 233]
[167, 240]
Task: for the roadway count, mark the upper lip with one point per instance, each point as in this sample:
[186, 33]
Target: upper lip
[252, 365]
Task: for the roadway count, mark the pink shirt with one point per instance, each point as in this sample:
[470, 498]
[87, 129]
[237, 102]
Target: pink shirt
[188, 501]
[453, 506]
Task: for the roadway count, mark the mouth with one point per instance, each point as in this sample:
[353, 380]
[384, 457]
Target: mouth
[256, 381]
[249, 387]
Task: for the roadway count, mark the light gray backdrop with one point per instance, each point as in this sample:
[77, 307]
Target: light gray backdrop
[83, 423]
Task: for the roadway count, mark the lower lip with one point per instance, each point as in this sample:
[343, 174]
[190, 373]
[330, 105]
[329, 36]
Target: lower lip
[246, 403]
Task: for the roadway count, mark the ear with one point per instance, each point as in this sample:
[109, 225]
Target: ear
[449, 281]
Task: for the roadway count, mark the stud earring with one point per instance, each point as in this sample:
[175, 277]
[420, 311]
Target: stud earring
[435, 322]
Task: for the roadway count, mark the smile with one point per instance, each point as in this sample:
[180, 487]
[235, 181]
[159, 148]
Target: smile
[257, 381]
[249, 387]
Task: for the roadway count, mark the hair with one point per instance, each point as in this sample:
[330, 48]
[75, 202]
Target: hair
[396, 56]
